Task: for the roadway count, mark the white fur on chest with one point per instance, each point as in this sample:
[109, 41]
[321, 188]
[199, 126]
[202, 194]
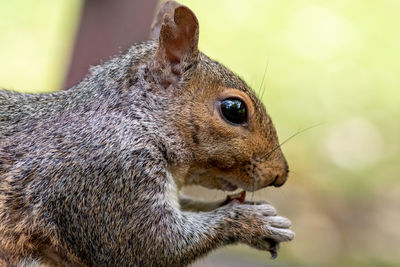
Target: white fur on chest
[172, 193]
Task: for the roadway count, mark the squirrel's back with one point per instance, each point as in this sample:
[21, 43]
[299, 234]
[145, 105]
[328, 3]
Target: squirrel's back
[19, 110]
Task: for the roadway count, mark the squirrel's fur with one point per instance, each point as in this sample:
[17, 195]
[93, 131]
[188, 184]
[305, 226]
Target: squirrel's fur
[89, 176]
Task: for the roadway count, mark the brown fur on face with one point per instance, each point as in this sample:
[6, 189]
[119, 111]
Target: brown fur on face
[230, 156]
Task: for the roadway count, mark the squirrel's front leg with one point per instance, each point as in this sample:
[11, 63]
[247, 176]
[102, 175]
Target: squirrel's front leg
[192, 234]
[196, 234]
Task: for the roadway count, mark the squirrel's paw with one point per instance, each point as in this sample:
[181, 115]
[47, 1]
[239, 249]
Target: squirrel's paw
[258, 226]
[277, 229]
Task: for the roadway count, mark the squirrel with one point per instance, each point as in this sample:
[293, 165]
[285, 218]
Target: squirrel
[90, 176]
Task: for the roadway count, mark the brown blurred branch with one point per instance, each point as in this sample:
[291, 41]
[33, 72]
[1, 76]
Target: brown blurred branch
[108, 27]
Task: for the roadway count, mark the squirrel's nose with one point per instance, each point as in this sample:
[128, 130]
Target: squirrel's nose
[270, 172]
[280, 179]
[280, 175]
[274, 176]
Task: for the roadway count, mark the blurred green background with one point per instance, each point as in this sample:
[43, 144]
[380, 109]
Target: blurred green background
[331, 63]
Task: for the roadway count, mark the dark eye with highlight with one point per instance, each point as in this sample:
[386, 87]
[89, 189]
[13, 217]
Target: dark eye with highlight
[234, 110]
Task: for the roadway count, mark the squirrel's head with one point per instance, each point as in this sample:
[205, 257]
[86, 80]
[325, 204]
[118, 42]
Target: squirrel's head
[231, 138]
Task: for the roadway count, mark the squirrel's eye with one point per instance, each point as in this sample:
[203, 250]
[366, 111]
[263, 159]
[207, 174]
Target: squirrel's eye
[234, 110]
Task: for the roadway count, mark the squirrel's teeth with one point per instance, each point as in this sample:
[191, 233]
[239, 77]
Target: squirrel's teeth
[241, 197]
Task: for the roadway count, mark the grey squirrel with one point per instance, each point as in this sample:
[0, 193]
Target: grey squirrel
[90, 176]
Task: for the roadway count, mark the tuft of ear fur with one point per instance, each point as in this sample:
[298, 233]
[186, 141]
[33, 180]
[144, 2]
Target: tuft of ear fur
[166, 7]
[178, 34]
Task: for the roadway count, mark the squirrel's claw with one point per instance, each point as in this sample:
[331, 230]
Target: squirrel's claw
[274, 247]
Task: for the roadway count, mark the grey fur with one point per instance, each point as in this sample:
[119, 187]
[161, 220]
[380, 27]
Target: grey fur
[84, 173]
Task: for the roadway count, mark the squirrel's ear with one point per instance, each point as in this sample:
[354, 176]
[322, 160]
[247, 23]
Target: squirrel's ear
[178, 33]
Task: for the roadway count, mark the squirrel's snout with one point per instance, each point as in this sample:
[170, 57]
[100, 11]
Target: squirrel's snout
[266, 173]
[280, 177]
[274, 173]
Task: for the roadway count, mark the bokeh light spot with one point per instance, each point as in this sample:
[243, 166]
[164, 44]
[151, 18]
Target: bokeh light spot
[354, 144]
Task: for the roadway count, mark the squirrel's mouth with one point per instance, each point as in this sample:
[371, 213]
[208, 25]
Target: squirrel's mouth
[226, 185]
